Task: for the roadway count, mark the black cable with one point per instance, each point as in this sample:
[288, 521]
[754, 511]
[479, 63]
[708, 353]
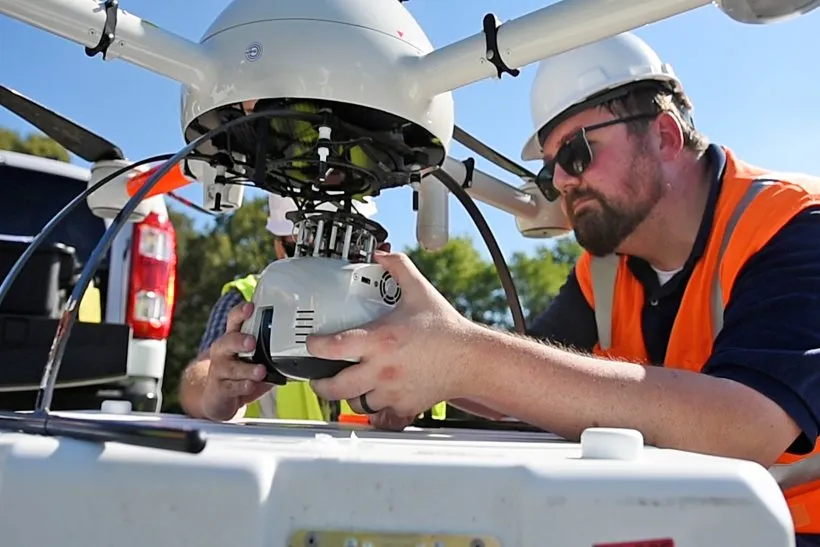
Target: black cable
[498, 258]
[5, 287]
[71, 308]
[190, 204]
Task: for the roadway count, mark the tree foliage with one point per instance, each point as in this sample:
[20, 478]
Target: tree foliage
[34, 144]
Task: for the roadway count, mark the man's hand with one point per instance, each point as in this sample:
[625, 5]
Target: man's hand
[409, 360]
[232, 383]
[387, 419]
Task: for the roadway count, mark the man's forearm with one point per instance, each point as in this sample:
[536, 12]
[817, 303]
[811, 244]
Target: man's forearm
[477, 408]
[566, 393]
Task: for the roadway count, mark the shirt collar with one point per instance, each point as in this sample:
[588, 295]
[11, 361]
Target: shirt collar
[716, 158]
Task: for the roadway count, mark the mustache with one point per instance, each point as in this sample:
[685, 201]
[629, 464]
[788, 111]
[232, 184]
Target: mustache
[574, 196]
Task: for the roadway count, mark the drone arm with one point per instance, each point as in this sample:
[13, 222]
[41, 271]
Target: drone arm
[490, 190]
[562, 26]
[432, 220]
[135, 40]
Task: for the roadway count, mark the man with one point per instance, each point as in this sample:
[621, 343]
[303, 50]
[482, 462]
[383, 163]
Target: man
[691, 316]
[218, 386]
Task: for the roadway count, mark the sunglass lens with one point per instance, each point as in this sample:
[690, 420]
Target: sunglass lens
[575, 155]
[544, 182]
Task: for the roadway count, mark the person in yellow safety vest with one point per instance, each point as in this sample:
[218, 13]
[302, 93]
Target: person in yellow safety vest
[295, 400]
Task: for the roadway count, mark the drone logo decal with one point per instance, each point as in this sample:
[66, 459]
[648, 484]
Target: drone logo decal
[253, 52]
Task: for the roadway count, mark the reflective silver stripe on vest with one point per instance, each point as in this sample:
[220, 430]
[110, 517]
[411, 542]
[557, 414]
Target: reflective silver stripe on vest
[603, 271]
[267, 405]
[718, 302]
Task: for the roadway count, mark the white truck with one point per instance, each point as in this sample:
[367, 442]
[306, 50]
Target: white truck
[118, 348]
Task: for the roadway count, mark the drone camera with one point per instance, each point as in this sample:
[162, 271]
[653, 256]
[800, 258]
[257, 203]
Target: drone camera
[331, 283]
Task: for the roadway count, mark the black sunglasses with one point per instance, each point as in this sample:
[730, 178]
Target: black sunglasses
[575, 155]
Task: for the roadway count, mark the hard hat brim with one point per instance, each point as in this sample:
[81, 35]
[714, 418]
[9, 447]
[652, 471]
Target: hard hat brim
[532, 148]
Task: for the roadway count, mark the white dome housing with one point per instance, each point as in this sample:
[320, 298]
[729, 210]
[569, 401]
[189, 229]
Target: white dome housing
[341, 54]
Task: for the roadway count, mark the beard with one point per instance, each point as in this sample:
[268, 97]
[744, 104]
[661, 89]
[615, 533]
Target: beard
[602, 225]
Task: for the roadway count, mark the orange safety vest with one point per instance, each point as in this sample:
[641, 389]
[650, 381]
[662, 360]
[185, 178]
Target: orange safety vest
[754, 204]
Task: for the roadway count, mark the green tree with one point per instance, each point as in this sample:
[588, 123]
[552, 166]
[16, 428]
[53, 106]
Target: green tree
[34, 144]
[464, 278]
[473, 286]
[539, 277]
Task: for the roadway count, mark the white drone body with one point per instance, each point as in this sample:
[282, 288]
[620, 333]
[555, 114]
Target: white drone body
[258, 49]
[369, 53]
[297, 297]
[330, 285]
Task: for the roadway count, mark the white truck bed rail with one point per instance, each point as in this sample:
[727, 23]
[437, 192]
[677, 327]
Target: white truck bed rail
[277, 484]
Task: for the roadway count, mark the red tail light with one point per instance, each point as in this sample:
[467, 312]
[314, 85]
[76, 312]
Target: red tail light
[153, 275]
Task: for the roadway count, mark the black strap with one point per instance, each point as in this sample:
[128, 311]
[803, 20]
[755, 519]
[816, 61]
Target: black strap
[108, 31]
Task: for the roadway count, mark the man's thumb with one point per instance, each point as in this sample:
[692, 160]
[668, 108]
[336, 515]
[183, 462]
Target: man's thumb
[401, 268]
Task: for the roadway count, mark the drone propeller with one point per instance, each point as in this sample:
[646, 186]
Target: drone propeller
[72, 137]
[83, 143]
[475, 145]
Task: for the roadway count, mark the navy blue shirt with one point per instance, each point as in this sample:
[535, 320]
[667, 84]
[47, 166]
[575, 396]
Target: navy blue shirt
[770, 340]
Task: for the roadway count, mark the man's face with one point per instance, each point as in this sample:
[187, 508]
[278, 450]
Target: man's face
[619, 188]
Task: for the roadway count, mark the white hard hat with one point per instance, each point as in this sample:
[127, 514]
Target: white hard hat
[572, 77]
[278, 206]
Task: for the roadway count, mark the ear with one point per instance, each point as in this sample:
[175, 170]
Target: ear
[670, 136]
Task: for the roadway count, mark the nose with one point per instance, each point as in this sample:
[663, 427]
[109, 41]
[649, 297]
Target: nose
[563, 181]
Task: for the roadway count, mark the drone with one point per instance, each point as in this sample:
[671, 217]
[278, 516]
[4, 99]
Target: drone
[362, 106]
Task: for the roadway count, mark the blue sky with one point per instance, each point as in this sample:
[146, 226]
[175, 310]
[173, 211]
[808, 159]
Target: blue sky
[754, 89]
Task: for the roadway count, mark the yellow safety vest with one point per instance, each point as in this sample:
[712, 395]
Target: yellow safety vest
[295, 400]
